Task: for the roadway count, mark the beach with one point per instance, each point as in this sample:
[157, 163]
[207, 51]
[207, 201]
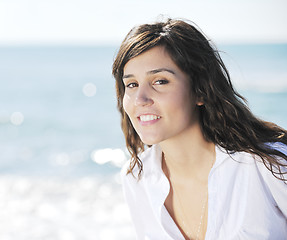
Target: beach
[61, 145]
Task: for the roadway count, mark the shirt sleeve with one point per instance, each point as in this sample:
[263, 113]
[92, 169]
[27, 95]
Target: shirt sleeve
[277, 187]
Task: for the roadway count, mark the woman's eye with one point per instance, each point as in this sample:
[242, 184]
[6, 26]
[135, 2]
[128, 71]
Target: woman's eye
[131, 85]
[160, 82]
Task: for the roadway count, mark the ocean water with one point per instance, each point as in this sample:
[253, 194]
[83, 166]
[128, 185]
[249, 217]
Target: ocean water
[61, 146]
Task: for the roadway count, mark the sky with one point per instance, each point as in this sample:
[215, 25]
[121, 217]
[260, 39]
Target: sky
[93, 22]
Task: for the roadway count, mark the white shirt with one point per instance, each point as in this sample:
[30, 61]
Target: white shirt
[245, 201]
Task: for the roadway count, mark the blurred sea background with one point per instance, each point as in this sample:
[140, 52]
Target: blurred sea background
[61, 146]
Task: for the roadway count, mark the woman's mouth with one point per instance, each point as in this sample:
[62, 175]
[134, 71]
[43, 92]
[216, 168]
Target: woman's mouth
[148, 119]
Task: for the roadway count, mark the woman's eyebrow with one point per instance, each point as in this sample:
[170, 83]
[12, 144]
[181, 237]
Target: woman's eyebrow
[160, 70]
[152, 72]
[128, 76]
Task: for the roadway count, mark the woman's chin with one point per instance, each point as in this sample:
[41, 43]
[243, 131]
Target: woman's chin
[149, 140]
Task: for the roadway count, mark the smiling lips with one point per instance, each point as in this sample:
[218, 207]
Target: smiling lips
[148, 119]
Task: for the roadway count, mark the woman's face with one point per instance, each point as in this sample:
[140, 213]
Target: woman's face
[157, 97]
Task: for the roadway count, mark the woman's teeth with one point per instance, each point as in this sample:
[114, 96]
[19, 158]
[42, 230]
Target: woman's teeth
[146, 118]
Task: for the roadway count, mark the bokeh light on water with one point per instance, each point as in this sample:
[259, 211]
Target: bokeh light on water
[17, 118]
[116, 157]
[55, 208]
[89, 89]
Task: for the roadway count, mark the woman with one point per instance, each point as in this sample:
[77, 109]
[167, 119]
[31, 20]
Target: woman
[202, 165]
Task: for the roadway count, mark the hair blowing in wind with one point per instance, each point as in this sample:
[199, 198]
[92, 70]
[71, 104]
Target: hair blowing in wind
[225, 118]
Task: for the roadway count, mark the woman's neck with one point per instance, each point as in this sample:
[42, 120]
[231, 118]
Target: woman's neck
[188, 155]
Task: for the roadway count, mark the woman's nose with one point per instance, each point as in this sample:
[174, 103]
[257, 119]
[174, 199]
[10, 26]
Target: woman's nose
[143, 97]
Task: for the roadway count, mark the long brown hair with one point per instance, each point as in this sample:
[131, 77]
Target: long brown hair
[225, 117]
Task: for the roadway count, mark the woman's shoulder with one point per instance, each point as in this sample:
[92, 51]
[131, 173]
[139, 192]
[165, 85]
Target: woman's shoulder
[245, 157]
[273, 180]
[259, 173]
[281, 147]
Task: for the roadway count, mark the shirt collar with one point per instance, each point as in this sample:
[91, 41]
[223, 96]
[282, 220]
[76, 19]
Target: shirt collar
[221, 156]
[155, 181]
[152, 160]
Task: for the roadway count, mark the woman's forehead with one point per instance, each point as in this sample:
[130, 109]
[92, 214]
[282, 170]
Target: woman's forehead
[154, 58]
